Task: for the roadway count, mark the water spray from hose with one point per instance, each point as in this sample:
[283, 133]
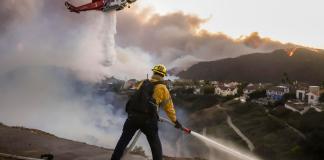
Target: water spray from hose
[205, 139]
[213, 143]
[222, 147]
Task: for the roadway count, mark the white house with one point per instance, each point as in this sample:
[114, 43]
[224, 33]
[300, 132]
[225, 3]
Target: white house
[313, 95]
[276, 93]
[214, 83]
[225, 91]
[310, 95]
[231, 84]
[301, 94]
[251, 88]
[198, 91]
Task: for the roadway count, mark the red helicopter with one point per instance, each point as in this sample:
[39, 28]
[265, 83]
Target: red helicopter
[100, 5]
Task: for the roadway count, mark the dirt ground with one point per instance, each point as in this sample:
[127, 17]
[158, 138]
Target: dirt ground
[33, 143]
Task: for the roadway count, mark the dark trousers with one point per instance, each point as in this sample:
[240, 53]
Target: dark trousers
[149, 126]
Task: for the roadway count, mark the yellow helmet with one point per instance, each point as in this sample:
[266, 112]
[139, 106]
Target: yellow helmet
[160, 69]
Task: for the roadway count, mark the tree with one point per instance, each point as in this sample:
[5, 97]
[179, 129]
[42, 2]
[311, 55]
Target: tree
[257, 94]
[209, 90]
[321, 99]
[285, 98]
[285, 79]
[322, 84]
[241, 88]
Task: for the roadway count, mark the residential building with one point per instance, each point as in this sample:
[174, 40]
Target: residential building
[297, 106]
[249, 89]
[277, 92]
[130, 84]
[313, 95]
[198, 91]
[231, 84]
[214, 83]
[169, 84]
[224, 91]
[309, 95]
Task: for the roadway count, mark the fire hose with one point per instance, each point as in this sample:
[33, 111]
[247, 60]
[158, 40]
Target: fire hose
[184, 129]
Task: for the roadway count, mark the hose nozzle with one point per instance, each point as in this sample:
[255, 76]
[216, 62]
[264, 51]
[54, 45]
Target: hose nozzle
[186, 130]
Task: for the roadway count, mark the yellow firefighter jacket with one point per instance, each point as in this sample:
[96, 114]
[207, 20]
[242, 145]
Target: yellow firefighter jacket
[162, 97]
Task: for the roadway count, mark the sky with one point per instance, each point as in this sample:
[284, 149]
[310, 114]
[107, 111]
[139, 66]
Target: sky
[297, 21]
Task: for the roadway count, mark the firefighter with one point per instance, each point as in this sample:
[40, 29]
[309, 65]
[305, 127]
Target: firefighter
[142, 109]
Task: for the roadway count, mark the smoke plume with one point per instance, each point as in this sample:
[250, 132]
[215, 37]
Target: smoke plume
[177, 37]
[49, 61]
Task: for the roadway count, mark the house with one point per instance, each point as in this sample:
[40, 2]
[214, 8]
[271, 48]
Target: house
[190, 87]
[297, 106]
[169, 84]
[250, 88]
[313, 95]
[224, 91]
[214, 83]
[309, 95]
[198, 91]
[231, 84]
[277, 92]
[130, 84]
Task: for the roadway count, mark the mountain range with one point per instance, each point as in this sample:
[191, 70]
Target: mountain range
[304, 65]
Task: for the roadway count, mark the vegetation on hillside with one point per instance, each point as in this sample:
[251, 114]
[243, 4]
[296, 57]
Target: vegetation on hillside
[322, 98]
[259, 67]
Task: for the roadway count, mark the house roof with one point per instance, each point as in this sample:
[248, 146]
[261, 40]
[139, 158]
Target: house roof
[297, 105]
[252, 87]
[302, 86]
[277, 88]
[222, 87]
[316, 94]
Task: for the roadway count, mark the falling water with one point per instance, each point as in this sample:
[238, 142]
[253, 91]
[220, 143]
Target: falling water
[223, 148]
[108, 37]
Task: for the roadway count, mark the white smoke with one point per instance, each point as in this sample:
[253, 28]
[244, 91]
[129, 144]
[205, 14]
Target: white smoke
[49, 99]
[48, 65]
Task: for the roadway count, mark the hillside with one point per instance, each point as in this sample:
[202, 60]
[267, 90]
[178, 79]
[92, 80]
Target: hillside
[305, 65]
[33, 143]
[272, 138]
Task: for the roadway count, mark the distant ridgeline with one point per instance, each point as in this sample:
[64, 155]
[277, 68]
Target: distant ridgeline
[304, 65]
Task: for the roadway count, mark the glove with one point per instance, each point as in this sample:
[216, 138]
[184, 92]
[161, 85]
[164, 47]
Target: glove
[178, 124]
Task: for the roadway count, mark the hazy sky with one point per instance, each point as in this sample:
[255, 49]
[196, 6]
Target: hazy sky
[297, 21]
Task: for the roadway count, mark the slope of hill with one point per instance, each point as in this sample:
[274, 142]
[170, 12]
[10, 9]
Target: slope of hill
[273, 139]
[33, 143]
[305, 65]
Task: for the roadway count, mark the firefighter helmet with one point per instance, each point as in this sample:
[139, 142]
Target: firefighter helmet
[160, 69]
